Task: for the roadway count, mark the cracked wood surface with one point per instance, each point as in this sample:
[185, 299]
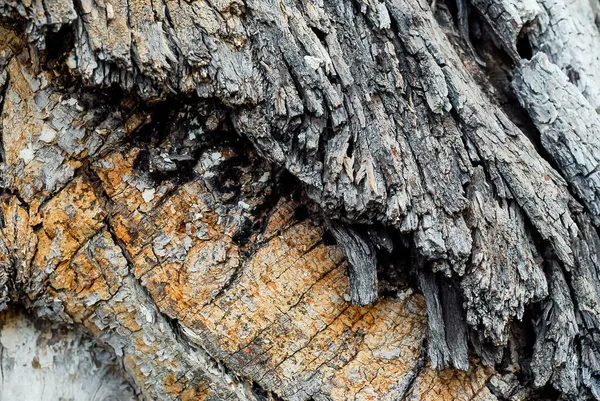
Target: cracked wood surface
[160, 271]
[134, 206]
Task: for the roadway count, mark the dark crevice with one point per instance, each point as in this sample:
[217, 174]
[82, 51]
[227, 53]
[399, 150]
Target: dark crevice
[524, 47]
[170, 151]
[301, 213]
[487, 42]
[350, 148]
[288, 186]
[394, 270]
[262, 394]
[572, 75]
[452, 8]
[392, 253]
[59, 44]
[328, 238]
[244, 232]
[3, 90]
[467, 20]
[11, 192]
[321, 35]
[230, 175]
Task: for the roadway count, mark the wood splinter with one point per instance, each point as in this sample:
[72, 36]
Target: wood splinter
[362, 263]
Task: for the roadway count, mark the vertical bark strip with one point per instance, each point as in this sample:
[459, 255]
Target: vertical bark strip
[362, 264]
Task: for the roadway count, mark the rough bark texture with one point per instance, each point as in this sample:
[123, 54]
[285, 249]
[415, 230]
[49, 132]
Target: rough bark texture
[309, 199]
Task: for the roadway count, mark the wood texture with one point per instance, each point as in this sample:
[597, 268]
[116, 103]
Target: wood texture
[276, 199]
[41, 362]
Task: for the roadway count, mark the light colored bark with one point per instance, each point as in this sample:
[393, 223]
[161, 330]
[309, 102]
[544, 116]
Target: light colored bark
[39, 362]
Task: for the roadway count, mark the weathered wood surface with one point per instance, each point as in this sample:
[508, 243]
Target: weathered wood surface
[134, 205]
[41, 362]
[206, 286]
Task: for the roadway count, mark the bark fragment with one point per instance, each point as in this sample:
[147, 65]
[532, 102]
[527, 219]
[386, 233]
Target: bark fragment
[362, 264]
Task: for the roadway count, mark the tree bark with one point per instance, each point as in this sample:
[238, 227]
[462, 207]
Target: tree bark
[306, 199]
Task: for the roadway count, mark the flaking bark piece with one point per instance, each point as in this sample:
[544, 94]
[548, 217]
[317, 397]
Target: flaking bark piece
[362, 263]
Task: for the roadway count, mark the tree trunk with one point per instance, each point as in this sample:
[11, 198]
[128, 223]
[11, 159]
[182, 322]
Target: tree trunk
[300, 199]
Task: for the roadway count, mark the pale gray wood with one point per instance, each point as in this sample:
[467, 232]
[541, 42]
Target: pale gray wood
[39, 362]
